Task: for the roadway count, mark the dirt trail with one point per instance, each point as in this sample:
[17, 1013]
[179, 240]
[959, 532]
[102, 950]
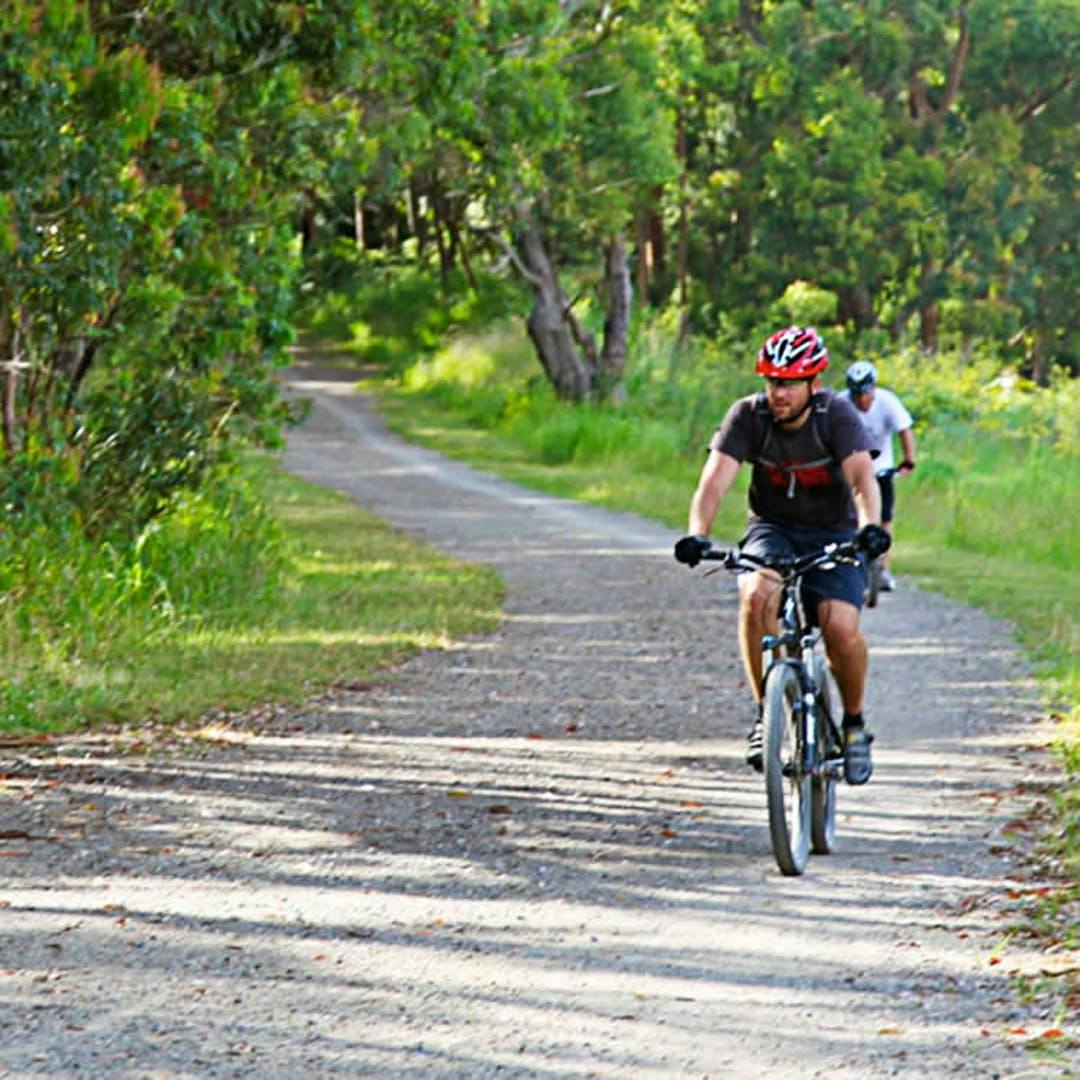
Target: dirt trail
[537, 853]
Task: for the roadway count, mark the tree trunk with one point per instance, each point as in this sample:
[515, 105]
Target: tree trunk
[1039, 361]
[659, 284]
[928, 326]
[617, 323]
[928, 310]
[457, 240]
[684, 216]
[358, 221]
[643, 263]
[417, 220]
[11, 379]
[550, 323]
[857, 305]
[307, 225]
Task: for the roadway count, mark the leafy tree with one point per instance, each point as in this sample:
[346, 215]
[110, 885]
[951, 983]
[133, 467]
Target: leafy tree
[150, 159]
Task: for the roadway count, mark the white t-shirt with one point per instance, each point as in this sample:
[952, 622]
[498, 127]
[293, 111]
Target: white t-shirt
[885, 416]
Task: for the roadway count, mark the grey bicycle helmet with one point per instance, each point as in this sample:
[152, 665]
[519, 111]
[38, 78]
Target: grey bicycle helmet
[861, 377]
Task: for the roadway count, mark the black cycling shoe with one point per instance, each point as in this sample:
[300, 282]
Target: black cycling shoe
[755, 754]
[858, 766]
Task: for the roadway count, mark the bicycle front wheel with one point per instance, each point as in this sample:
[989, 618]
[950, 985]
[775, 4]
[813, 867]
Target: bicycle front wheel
[873, 582]
[787, 785]
[823, 804]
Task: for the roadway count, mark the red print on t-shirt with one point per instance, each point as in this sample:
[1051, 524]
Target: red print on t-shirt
[809, 475]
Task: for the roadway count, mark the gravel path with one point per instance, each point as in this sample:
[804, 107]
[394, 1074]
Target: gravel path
[537, 853]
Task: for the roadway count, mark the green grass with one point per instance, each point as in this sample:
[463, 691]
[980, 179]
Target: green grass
[331, 594]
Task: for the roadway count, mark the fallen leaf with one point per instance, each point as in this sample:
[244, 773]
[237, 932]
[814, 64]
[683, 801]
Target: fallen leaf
[458, 793]
[668, 832]
[499, 808]
[985, 1031]
[1018, 1031]
[691, 804]
[889, 1030]
[1052, 1033]
[994, 960]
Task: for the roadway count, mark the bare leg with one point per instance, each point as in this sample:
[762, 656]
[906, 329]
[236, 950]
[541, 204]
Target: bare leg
[846, 646]
[759, 596]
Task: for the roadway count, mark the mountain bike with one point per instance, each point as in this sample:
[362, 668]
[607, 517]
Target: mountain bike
[875, 568]
[803, 747]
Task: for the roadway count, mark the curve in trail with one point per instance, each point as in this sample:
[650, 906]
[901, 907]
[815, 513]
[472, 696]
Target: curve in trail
[534, 853]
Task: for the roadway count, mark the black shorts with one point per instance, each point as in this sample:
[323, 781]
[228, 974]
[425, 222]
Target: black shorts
[844, 582]
[888, 498]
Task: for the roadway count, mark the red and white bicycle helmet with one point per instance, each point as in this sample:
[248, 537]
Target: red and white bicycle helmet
[795, 353]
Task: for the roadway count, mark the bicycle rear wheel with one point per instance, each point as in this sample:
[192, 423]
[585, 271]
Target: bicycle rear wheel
[823, 786]
[787, 787]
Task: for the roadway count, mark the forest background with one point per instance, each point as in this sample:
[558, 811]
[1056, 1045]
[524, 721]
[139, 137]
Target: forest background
[556, 230]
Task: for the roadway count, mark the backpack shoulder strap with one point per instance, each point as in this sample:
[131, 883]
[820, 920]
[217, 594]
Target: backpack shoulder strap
[820, 420]
[763, 419]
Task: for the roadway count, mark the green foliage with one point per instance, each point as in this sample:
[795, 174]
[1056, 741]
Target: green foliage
[391, 314]
[77, 613]
[257, 588]
[147, 256]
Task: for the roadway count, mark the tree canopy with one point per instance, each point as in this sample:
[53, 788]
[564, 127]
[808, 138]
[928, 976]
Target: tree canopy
[168, 169]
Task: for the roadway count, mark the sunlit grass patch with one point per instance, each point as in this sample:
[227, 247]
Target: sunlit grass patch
[348, 596]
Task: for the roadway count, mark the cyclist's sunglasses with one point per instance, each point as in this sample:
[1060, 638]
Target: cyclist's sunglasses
[775, 380]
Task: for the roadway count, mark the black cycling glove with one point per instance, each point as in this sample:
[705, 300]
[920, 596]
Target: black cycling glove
[874, 540]
[691, 549]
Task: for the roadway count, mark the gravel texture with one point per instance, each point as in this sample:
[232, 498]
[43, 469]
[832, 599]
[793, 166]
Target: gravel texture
[535, 853]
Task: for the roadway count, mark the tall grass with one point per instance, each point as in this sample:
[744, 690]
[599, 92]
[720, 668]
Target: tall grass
[259, 588]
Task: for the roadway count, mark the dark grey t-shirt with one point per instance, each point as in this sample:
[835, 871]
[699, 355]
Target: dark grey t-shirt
[796, 477]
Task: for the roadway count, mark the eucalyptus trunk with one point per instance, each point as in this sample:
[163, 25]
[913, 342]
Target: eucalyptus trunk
[617, 322]
[566, 350]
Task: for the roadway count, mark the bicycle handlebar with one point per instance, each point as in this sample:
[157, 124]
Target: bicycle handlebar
[734, 559]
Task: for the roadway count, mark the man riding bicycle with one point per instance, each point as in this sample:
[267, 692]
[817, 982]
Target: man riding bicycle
[882, 413]
[812, 483]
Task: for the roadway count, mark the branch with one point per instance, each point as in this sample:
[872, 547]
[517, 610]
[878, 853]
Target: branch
[1040, 101]
[598, 91]
[507, 249]
[748, 21]
[10, 383]
[956, 65]
[265, 57]
[597, 189]
[585, 340]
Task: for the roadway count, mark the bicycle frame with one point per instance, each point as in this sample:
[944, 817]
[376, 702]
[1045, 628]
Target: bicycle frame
[803, 744]
[798, 644]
